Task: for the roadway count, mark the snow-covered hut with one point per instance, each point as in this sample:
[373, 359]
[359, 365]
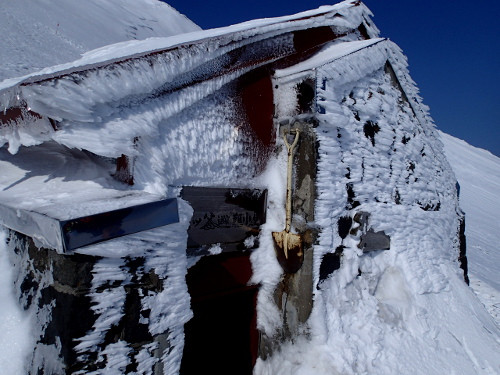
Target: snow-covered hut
[142, 183]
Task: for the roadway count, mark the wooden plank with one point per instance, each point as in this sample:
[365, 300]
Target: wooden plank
[16, 115]
[224, 216]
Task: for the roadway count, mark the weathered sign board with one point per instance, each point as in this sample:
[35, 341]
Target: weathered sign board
[224, 219]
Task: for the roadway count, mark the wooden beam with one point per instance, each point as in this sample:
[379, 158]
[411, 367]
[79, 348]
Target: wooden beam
[16, 115]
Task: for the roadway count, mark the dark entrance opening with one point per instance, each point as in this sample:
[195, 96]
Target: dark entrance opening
[222, 337]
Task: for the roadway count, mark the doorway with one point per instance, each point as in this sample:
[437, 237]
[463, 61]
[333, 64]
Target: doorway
[222, 336]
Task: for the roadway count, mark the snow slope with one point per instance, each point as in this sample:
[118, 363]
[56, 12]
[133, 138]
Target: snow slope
[37, 34]
[478, 173]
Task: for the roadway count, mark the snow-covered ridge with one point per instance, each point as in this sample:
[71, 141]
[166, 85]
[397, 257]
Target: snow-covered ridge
[478, 173]
[38, 34]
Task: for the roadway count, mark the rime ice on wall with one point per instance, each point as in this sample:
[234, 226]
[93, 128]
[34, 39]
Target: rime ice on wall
[387, 163]
[139, 297]
[190, 145]
[381, 168]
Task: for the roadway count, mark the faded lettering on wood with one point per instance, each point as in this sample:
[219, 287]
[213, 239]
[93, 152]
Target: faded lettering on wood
[224, 217]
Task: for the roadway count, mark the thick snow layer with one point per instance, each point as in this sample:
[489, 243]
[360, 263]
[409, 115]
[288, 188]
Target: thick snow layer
[38, 34]
[49, 181]
[61, 183]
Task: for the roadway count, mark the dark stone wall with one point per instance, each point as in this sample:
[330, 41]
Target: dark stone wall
[54, 289]
[58, 292]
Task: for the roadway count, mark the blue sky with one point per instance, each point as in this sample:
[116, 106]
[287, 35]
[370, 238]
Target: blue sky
[453, 49]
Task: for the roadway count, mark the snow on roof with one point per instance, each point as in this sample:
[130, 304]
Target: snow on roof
[327, 55]
[347, 14]
[105, 84]
[49, 182]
